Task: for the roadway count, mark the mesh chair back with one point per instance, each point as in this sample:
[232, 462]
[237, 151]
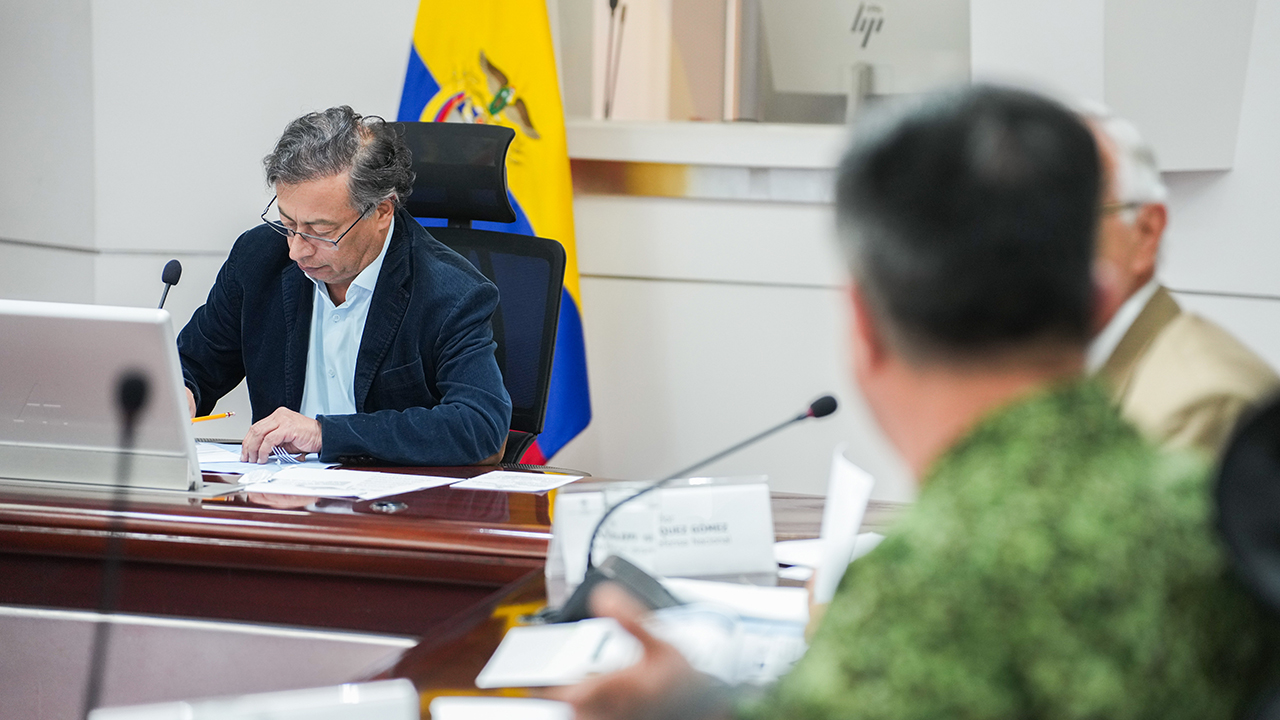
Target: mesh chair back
[461, 176]
[529, 273]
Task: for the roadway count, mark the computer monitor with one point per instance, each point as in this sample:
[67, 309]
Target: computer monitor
[909, 46]
[60, 365]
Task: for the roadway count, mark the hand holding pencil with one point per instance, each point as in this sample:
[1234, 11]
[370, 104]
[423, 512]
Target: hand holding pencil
[191, 406]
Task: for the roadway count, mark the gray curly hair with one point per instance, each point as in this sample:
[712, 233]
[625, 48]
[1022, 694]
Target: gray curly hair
[323, 144]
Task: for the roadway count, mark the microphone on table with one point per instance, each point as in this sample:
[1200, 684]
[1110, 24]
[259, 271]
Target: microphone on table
[131, 398]
[638, 582]
[170, 276]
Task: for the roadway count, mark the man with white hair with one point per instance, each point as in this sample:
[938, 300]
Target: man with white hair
[1182, 380]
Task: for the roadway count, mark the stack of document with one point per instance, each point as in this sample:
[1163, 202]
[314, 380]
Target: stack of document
[507, 481]
[362, 484]
[224, 458]
[310, 477]
[737, 633]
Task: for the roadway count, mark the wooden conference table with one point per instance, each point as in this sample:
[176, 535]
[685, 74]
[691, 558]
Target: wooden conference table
[448, 569]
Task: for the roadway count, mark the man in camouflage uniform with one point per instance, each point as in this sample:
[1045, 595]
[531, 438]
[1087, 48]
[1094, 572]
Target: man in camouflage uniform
[1056, 565]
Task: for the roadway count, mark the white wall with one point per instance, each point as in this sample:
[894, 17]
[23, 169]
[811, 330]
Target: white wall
[573, 24]
[46, 129]
[681, 369]
[1178, 72]
[46, 151]
[188, 97]
[1223, 230]
[1223, 242]
[1054, 45]
[707, 321]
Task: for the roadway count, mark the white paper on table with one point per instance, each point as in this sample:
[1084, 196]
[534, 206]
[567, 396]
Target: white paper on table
[808, 553]
[559, 654]
[217, 453]
[498, 708]
[848, 492]
[508, 481]
[798, 552]
[713, 638]
[799, 573]
[787, 604]
[224, 458]
[735, 648]
[363, 484]
[707, 636]
[261, 471]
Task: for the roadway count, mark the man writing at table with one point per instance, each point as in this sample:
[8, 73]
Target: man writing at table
[1055, 564]
[359, 335]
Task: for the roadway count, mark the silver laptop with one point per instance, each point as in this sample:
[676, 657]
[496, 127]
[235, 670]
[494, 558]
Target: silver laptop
[60, 365]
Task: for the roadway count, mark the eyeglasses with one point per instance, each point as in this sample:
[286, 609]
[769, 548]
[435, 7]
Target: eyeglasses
[1112, 208]
[289, 232]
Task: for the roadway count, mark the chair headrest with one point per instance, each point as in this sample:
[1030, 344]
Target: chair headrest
[1248, 496]
[461, 171]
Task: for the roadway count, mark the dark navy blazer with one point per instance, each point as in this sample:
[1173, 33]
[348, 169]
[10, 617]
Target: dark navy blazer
[427, 387]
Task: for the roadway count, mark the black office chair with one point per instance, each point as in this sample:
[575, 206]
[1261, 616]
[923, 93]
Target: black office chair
[462, 177]
[1248, 499]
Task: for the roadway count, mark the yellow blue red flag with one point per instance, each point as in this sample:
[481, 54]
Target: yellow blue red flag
[491, 61]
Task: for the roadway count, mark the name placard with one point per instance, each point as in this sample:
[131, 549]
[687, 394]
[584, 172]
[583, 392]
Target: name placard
[701, 527]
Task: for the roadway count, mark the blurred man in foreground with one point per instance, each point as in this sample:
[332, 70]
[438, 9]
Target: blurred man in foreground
[1179, 378]
[1055, 564]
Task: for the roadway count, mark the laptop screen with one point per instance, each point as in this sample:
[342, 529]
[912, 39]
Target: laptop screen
[60, 366]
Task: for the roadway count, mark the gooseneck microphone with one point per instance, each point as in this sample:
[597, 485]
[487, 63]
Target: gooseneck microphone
[131, 398]
[819, 408]
[637, 582]
[170, 276]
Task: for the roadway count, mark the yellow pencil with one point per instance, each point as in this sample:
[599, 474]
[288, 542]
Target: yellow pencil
[219, 416]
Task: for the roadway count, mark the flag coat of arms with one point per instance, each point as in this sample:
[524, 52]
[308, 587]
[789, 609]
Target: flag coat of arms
[491, 61]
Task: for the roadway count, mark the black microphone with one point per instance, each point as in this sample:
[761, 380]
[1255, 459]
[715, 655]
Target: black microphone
[170, 276]
[575, 607]
[821, 407]
[131, 398]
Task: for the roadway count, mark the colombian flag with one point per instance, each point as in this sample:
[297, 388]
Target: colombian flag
[491, 61]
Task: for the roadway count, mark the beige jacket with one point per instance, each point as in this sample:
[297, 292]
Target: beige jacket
[1182, 380]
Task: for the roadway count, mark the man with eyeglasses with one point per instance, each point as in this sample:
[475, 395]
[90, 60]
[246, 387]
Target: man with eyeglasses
[1179, 378]
[360, 336]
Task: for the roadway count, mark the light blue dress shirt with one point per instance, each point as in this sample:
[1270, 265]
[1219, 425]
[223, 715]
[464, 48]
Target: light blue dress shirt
[335, 342]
